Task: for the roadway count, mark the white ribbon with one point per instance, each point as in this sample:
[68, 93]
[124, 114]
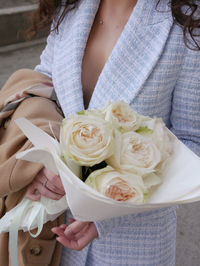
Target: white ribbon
[38, 215]
[28, 215]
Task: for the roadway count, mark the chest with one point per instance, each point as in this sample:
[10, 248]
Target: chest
[101, 41]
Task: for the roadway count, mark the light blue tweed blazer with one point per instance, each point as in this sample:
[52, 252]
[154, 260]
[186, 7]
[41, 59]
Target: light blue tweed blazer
[151, 69]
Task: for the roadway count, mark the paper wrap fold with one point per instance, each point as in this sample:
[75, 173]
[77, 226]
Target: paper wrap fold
[180, 184]
[180, 179]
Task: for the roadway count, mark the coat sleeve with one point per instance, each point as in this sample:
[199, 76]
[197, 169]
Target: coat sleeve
[17, 174]
[185, 115]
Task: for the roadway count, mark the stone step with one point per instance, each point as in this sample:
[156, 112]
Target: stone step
[14, 18]
[13, 3]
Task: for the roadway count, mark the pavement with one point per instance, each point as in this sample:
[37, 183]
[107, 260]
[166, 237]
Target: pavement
[188, 229]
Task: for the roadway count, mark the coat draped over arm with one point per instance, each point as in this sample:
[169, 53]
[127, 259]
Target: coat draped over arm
[28, 94]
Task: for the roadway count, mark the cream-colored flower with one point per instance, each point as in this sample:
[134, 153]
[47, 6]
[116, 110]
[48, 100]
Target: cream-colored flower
[118, 186]
[161, 136]
[151, 180]
[86, 139]
[122, 116]
[135, 153]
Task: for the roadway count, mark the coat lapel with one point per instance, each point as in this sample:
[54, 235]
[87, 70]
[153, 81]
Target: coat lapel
[129, 65]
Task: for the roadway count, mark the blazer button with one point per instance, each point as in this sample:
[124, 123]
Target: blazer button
[35, 250]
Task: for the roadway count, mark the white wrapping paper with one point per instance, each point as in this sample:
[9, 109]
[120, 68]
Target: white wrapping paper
[180, 184]
[181, 179]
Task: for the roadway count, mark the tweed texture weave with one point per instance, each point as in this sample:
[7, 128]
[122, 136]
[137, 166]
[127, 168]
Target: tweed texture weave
[151, 69]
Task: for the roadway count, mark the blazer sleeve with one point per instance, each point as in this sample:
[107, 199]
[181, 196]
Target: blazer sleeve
[185, 115]
[46, 58]
[185, 120]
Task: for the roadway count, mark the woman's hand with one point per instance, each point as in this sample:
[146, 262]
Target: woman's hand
[45, 184]
[76, 235]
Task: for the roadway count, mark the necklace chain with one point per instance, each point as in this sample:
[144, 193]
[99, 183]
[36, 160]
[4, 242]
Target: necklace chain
[101, 21]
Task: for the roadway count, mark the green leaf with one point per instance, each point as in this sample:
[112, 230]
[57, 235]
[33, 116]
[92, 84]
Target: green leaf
[145, 197]
[121, 129]
[144, 130]
[82, 112]
[89, 181]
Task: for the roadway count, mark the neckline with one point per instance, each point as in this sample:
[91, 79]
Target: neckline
[87, 34]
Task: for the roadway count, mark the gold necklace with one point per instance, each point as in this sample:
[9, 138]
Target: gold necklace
[101, 21]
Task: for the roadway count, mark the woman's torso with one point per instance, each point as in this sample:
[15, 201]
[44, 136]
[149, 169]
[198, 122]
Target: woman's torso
[147, 63]
[102, 39]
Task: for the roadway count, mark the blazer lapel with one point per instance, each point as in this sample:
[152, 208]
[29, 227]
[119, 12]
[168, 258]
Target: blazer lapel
[134, 55]
[129, 65]
[69, 53]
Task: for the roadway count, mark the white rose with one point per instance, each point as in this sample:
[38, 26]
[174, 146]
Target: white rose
[117, 186]
[151, 180]
[135, 153]
[161, 136]
[85, 139]
[122, 116]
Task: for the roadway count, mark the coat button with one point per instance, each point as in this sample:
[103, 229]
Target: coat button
[35, 250]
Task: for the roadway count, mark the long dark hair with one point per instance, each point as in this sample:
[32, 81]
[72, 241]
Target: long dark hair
[186, 13]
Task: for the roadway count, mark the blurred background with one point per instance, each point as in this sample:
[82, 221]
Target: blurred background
[16, 53]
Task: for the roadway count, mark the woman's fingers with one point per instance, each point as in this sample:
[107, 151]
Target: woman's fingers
[44, 191]
[53, 188]
[88, 236]
[77, 235]
[89, 232]
[46, 184]
[58, 230]
[74, 228]
[54, 179]
[36, 189]
[63, 226]
[71, 220]
[73, 233]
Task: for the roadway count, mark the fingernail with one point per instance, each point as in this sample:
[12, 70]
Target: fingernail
[63, 226]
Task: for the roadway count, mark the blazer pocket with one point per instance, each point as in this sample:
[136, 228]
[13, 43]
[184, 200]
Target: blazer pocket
[37, 251]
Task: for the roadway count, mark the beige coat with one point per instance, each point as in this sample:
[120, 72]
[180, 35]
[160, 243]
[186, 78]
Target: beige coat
[15, 175]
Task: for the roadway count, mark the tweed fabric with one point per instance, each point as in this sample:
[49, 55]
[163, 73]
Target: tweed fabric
[151, 69]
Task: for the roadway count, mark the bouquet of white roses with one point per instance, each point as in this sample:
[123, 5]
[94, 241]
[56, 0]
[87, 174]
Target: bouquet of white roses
[129, 163]
[130, 150]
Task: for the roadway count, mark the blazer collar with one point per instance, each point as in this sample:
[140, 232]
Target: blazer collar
[132, 60]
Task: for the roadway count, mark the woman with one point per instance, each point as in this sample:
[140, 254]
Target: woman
[135, 51]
